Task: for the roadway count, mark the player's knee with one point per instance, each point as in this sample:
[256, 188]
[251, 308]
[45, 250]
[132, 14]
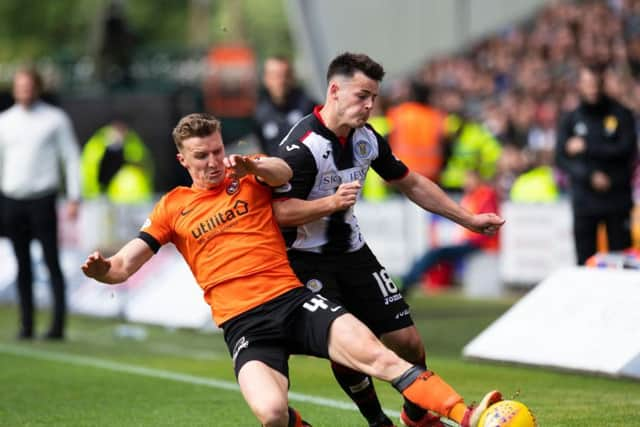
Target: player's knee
[272, 414]
[270, 409]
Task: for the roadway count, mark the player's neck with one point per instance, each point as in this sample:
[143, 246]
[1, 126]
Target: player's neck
[27, 104]
[332, 122]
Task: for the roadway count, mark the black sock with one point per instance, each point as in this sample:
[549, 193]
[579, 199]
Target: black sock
[359, 387]
[413, 411]
[292, 417]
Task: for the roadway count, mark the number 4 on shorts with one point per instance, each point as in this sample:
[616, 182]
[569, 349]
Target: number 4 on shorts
[315, 303]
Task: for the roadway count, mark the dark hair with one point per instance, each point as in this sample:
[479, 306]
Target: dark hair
[195, 125]
[420, 92]
[347, 64]
[596, 68]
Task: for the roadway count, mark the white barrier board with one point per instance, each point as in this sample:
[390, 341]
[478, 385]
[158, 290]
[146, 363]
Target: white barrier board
[536, 240]
[162, 292]
[578, 319]
[396, 231]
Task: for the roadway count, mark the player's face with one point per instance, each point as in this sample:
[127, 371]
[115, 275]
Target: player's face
[355, 97]
[203, 158]
[25, 91]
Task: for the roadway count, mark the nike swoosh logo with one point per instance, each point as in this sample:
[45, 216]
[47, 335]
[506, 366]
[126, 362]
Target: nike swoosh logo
[334, 309]
[184, 212]
[292, 147]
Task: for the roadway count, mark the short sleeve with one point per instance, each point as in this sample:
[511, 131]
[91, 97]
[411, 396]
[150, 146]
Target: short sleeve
[158, 226]
[300, 159]
[387, 165]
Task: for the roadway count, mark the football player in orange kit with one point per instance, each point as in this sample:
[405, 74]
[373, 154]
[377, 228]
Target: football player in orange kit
[224, 228]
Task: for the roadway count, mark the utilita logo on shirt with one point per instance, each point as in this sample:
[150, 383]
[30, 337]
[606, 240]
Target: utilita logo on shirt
[220, 219]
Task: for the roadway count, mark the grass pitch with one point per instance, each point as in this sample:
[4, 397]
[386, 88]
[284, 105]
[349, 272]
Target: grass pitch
[185, 378]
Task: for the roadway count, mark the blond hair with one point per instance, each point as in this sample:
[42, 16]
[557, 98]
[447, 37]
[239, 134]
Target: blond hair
[195, 125]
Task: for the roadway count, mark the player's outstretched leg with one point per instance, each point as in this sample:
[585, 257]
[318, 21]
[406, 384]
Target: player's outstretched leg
[429, 391]
[407, 343]
[355, 346]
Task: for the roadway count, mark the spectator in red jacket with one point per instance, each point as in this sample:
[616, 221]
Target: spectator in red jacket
[479, 197]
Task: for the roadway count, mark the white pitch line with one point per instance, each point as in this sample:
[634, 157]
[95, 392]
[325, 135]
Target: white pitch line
[167, 375]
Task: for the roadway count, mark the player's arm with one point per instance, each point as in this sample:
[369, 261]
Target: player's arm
[271, 170]
[291, 206]
[119, 267]
[292, 212]
[578, 170]
[70, 156]
[426, 194]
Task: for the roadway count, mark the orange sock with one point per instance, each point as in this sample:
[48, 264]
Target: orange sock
[457, 412]
[429, 391]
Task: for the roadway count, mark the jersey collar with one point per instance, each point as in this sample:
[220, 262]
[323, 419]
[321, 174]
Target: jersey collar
[322, 129]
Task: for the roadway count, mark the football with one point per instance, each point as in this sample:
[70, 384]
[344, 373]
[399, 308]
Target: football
[507, 413]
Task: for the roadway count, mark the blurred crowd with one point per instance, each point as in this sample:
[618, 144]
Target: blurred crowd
[499, 121]
[517, 84]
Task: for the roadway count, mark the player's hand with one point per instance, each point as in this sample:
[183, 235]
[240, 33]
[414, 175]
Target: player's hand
[346, 195]
[240, 165]
[575, 146]
[486, 223]
[600, 181]
[96, 266]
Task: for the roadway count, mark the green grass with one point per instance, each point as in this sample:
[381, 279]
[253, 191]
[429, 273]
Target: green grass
[91, 379]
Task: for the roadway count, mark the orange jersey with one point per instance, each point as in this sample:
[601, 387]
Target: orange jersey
[230, 240]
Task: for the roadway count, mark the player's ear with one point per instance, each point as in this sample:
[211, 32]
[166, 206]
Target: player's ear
[181, 160]
[334, 87]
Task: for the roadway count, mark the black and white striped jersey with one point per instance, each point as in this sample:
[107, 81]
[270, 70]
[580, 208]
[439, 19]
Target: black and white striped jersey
[320, 163]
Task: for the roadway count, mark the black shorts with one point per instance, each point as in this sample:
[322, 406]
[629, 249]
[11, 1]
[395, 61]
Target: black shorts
[296, 322]
[359, 282]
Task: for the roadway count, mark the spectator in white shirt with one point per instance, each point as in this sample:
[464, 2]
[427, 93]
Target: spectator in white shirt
[38, 149]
